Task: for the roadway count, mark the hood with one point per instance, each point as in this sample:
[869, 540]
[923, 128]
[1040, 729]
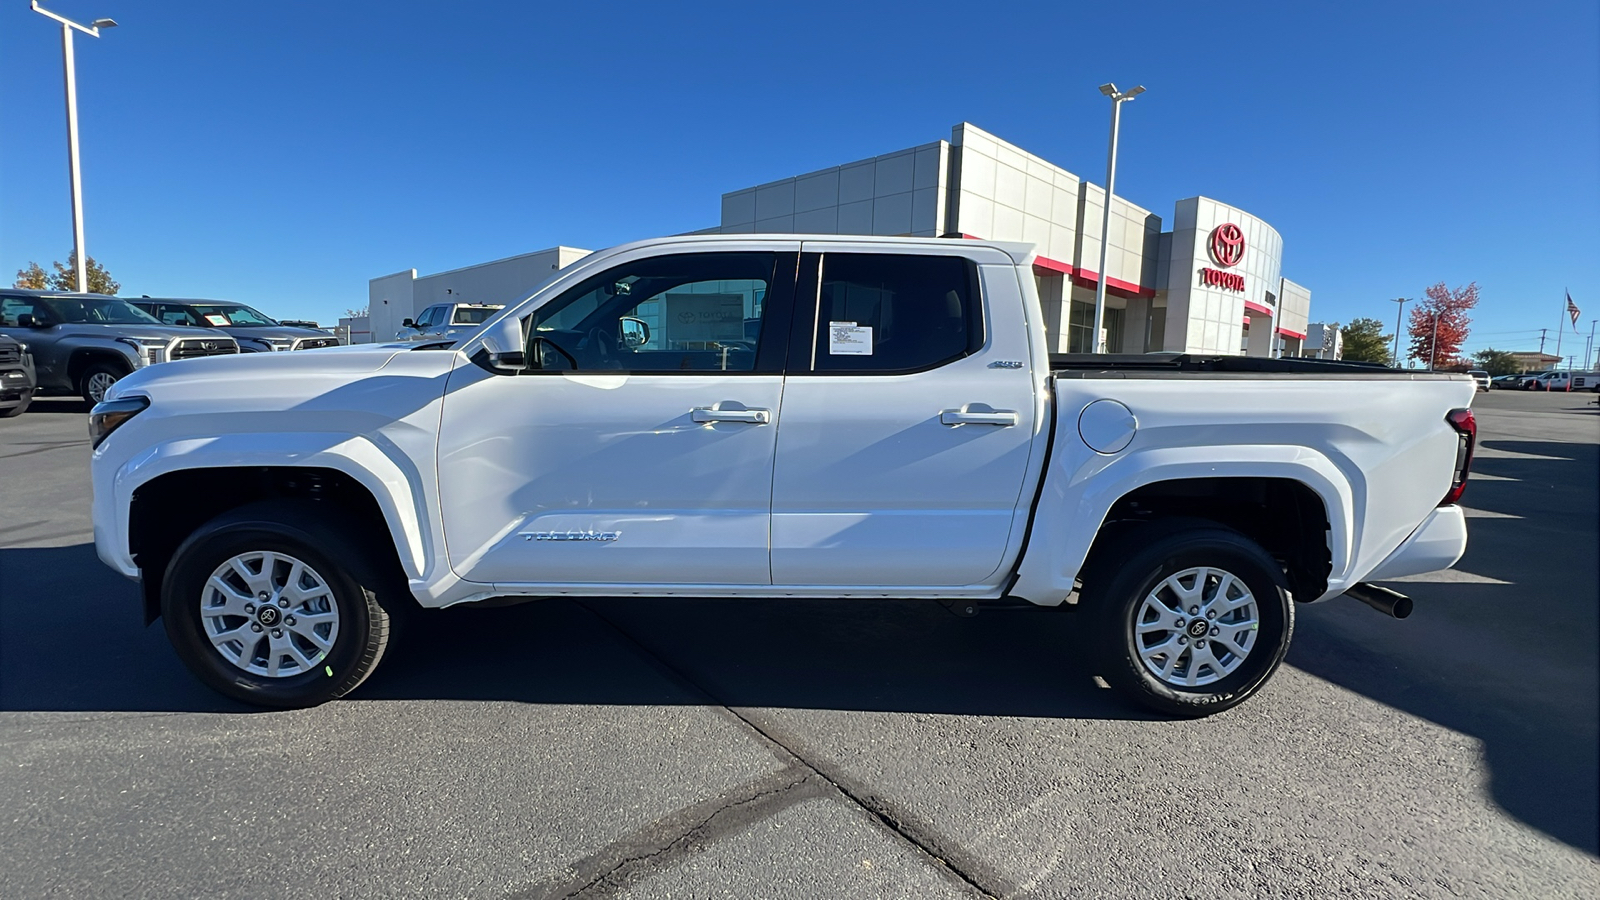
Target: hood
[276, 381]
[141, 331]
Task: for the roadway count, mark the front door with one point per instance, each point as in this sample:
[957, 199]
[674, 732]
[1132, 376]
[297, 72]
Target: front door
[903, 451]
[639, 448]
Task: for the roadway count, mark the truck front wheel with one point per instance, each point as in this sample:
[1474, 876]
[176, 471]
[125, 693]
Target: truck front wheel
[274, 605]
[1187, 619]
[96, 379]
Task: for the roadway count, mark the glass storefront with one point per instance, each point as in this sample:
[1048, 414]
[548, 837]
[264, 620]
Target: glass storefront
[1081, 323]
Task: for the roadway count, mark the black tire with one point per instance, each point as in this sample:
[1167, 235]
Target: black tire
[88, 384]
[19, 409]
[354, 576]
[1137, 561]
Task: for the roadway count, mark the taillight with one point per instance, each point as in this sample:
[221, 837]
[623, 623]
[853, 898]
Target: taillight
[1466, 427]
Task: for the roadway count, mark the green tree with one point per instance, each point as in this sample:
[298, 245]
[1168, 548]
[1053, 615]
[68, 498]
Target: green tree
[1364, 341]
[32, 278]
[1497, 362]
[66, 276]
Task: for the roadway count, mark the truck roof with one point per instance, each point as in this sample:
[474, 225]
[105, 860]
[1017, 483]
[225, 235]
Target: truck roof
[1019, 253]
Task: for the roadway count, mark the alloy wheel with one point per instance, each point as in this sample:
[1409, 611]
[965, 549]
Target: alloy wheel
[1196, 627]
[269, 614]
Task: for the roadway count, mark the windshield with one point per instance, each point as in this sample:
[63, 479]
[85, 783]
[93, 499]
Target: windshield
[237, 314]
[98, 311]
[473, 315]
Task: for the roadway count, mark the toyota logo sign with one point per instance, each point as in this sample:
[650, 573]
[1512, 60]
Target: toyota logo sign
[1227, 245]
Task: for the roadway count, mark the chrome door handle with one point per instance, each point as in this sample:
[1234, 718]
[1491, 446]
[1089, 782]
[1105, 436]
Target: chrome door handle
[1003, 417]
[706, 414]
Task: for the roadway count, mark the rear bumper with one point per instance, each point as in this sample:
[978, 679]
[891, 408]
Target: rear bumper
[1436, 544]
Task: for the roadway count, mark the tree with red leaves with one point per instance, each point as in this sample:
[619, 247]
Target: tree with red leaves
[1449, 308]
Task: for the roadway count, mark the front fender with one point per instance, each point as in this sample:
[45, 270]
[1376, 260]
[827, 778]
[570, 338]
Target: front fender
[394, 482]
[1075, 502]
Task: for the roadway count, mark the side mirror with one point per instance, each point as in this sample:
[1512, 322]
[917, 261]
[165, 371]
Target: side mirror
[634, 332]
[407, 323]
[511, 359]
[27, 320]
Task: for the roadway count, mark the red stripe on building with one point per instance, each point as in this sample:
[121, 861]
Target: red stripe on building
[1257, 308]
[1044, 265]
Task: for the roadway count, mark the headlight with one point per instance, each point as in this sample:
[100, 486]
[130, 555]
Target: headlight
[107, 416]
[150, 350]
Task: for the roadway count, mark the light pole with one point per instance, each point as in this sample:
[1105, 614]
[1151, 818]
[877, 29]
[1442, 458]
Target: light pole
[1117, 99]
[1402, 301]
[92, 30]
[1433, 345]
[1588, 346]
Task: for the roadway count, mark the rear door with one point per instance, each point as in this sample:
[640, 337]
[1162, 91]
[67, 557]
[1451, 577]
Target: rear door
[908, 421]
[640, 452]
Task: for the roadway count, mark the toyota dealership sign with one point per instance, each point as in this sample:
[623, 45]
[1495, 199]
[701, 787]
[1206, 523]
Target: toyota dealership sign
[1227, 250]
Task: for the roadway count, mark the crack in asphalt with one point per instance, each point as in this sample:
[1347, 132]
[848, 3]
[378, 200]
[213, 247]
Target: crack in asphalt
[916, 836]
[687, 831]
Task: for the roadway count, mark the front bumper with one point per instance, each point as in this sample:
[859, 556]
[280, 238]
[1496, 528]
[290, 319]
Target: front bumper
[1436, 544]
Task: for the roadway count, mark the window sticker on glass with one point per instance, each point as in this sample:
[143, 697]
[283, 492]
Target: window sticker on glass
[849, 339]
[217, 320]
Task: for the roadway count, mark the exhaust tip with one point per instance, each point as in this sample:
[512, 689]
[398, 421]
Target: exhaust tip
[1390, 603]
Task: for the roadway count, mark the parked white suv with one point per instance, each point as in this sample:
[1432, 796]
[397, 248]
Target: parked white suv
[770, 417]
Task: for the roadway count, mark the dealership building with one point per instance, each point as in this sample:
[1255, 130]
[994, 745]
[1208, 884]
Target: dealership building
[1211, 283]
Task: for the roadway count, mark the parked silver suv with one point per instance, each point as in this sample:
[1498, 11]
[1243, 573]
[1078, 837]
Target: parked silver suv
[447, 322]
[83, 343]
[255, 331]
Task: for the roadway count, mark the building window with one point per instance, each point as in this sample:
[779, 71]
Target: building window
[1081, 323]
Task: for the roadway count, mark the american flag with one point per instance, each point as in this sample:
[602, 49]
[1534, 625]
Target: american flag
[1572, 310]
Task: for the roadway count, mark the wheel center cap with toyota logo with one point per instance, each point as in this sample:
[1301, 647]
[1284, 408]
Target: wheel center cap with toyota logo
[1227, 245]
[268, 616]
[1198, 628]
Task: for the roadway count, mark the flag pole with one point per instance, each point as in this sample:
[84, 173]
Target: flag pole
[1562, 330]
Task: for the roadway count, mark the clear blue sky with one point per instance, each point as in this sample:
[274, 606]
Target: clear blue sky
[283, 153]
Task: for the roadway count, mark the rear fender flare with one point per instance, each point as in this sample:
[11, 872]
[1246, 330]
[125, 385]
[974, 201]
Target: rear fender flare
[1074, 504]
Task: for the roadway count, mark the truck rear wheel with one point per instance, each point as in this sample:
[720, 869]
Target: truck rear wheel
[273, 605]
[1187, 618]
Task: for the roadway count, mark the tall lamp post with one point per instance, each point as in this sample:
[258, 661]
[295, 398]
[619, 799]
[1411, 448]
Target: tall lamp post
[92, 30]
[1402, 301]
[1433, 345]
[1117, 99]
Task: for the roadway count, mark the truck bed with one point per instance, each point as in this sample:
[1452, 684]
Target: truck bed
[1152, 365]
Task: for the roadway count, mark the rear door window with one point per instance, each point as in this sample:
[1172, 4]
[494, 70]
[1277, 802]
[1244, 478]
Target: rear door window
[888, 313]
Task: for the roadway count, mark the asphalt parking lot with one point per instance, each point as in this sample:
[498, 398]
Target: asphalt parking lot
[805, 749]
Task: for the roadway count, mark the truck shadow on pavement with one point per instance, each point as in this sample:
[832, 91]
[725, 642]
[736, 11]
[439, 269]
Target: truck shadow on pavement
[1515, 664]
[879, 655]
[1512, 665]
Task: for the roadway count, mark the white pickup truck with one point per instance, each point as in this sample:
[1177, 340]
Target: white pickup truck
[769, 417]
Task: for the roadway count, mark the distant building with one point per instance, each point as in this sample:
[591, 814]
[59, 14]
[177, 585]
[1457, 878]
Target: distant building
[1536, 362]
[1323, 341]
[392, 299]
